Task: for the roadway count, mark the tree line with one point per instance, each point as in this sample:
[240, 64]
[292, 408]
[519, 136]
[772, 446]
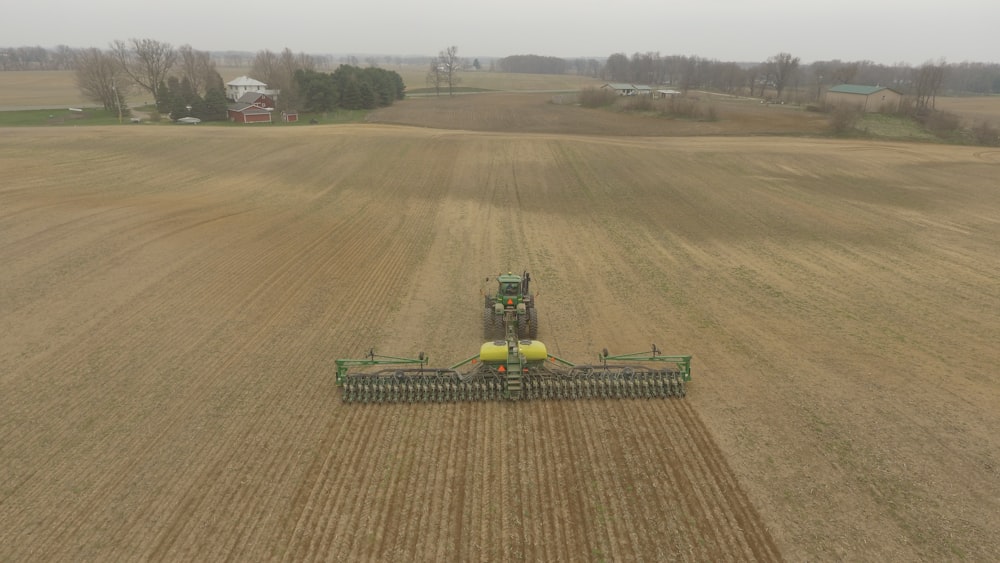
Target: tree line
[348, 87]
[532, 64]
[680, 71]
[777, 72]
[786, 71]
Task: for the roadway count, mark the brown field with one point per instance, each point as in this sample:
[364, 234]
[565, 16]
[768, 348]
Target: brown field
[174, 298]
[39, 89]
[973, 110]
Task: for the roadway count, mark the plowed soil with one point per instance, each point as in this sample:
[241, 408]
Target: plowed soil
[173, 299]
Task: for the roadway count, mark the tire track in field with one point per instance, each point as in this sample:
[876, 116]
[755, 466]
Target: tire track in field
[705, 485]
[448, 479]
[667, 491]
[348, 480]
[452, 482]
[545, 474]
[754, 534]
[343, 460]
[357, 486]
[423, 518]
[988, 156]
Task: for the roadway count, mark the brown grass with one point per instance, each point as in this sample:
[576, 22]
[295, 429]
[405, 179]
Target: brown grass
[172, 308]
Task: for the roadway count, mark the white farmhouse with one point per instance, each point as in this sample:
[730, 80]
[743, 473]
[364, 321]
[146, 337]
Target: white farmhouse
[236, 88]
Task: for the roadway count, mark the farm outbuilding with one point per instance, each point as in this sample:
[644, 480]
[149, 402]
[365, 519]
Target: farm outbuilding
[668, 93]
[252, 107]
[629, 89]
[289, 116]
[872, 99]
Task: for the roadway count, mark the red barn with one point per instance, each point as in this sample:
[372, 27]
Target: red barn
[252, 107]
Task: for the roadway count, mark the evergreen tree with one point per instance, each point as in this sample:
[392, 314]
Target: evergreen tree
[398, 85]
[199, 109]
[215, 105]
[351, 96]
[349, 87]
[187, 91]
[178, 108]
[319, 91]
[163, 98]
[367, 96]
[215, 82]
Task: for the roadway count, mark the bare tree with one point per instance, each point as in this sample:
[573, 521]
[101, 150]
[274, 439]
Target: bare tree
[435, 76]
[845, 73]
[616, 69]
[100, 78]
[198, 68]
[756, 75]
[642, 68]
[690, 73]
[929, 78]
[451, 65]
[782, 68]
[146, 61]
[284, 79]
[264, 66]
[278, 72]
[63, 57]
[729, 76]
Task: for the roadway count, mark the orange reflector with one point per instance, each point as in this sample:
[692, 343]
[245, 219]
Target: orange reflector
[502, 369]
[510, 301]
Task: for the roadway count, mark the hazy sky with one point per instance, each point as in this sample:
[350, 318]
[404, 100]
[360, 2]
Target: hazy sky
[733, 30]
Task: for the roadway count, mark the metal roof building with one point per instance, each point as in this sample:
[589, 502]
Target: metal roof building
[866, 98]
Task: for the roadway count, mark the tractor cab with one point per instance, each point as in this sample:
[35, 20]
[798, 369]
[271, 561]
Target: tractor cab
[509, 288]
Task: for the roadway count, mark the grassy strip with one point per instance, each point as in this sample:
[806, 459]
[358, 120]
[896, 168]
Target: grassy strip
[893, 127]
[61, 116]
[444, 90]
[64, 117]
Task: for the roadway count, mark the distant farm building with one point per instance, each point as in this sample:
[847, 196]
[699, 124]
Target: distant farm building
[242, 85]
[667, 93]
[252, 107]
[629, 89]
[878, 99]
[289, 116]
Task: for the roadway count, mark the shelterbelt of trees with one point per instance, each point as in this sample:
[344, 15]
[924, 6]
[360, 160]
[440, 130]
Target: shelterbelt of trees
[348, 87]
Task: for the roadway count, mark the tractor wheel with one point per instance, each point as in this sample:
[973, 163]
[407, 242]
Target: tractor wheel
[533, 323]
[498, 330]
[488, 324]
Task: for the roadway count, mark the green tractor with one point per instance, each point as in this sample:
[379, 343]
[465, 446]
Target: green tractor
[512, 298]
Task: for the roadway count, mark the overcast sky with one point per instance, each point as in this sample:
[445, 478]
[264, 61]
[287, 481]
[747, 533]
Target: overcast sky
[889, 31]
